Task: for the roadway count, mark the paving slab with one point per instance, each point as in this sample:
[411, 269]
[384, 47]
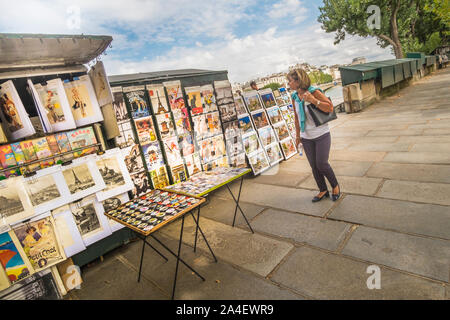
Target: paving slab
[280, 177]
[330, 276]
[356, 155]
[424, 139]
[437, 131]
[424, 256]
[222, 210]
[411, 172]
[348, 133]
[433, 124]
[340, 167]
[436, 193]
[318, 232]
[366, 139]
[358, 185]
[382, 147]
[430, 147]
[418, 157]
[423, 219]
[406, 132]
[340, 145]
[297, 166]
[252, 252]
[111, 279]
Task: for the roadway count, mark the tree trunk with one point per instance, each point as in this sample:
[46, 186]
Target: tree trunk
[395, 5]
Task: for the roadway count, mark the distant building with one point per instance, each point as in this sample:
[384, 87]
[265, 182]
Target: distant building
[358, 60]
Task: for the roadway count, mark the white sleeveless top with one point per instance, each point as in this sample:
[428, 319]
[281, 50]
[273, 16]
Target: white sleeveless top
[311, 131]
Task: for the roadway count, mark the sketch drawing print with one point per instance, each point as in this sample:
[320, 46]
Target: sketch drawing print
[86, 219]
[78, 178]
[10, 112]
[42, 190]
[10, 203]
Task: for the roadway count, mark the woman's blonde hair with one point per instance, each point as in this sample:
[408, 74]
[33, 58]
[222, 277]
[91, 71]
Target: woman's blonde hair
[301, 76]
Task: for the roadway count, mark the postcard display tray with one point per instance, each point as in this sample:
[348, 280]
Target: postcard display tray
[152, 211]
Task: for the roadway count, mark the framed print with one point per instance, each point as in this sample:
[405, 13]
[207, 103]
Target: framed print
[158, 98]
[186, 144]
[172, 151]
[15, 121]
[159, 177]
[175, 95]
[114, 203]
[194, 99]
[252, 100]
[274, 115]
[246, 125]
[178, 173]
[83, 102]
[193, 164]
[47, 189]
[40, 242]
[13, 259]
[127, 137]
[133, 159]
[82, 137]
[53, 106]
[145, 130]
[114, 172]
[274, 153]
[200, 127]
[251, 143]
[141, 184]
[153, 155]
[259, 162]
[165, 125]
[120, 109]
[135, 96]
[223, 92]
[208, 98]
[83, 178]
[281, 130]
[92, 224]
[267, 98]
[15, 205]
[288, 148]
[228, 112]
[100, 83]
[267, 136]
[67, 230]
[240, 106]
[260, 119]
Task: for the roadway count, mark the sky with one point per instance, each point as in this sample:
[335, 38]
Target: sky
[248, 38]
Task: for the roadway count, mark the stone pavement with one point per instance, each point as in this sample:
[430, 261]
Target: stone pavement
[393, 164]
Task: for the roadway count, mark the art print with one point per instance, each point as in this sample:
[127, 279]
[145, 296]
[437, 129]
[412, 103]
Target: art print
[141, 184]
[258, 162]
[175, 95]
[145, 130]
[251, 143]
[165, 125]
[213, 123]
[186, 144]
[267, 136]
[15, 205]
[278, 98]
[288, 147]
[238, 161]
[281, 131]
[274, 115]
[208, 98]
[158, 98]
[40, 243]
[133, 159]
[193, 164]
[127, 137]
[13, 259]
[245, 123]
[100, 83]
[228, 112]
[119, 106]
[240, 106]
[68, 234]
[200, 127]
[260, 119]
[138, 103]
[274, 153]
[194, 99]
[267, 98]
[159, 177]
[153, 155]
[172, 151]
[252, 100]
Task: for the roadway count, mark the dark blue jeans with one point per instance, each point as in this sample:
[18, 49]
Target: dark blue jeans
[317, 151]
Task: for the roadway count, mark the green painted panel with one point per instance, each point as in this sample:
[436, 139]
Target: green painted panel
[407, 70]
[387, 76]
[398, 73]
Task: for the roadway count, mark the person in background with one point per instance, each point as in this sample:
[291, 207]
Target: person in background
[316, 140]
[253, 85]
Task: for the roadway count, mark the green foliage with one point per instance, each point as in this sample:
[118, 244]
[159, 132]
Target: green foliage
[318, 77]
[273, 86]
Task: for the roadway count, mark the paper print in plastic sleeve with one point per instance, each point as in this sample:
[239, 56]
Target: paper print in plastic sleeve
[141, 184]
[172, 151]
[30, 154]
[101, 84]
[13, 259]
[223, 92]
[251, 143]
[238, 161]
[64, 145]
[240, 106]
[193, 164]
[228, 112]
[282, 131]
[278, 98]
[43, 151]
[19, 155]
[260, 119]
[81, 138]
[252, 100]
[186, 144]
[133, 159]
[165, 125]
[194, 100]
[159, 177]
[138, 102]
[153, 155]
[274, 153]
[213, 123]
[178, 173]
[158, 98]
[259, 162]
[53, 145]
[288, 147]
[267, 98]
[145, 130]
[15, 120]
[127, 137]
[67, 230]
[274, 115]
[200, 127]
[119, 106]
[267, 136]
[245, 123]
[175, 95]
[208, 98]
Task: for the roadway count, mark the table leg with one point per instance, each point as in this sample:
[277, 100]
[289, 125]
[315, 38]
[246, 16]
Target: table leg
[204, 238]
[196, 229]
[178, 258]
[238, 206]
[142, 258]
[156, 250]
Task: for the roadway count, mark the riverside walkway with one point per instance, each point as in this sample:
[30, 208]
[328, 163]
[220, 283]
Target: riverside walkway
[393, 164]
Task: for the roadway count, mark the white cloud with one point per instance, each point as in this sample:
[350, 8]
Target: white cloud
[294, 9]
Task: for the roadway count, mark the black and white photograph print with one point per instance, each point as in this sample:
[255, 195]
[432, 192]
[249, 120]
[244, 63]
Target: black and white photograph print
[111, 173]
[10, 203]
[78, 178]
[86, 219]
[111, 203]
[42, 190]
[141, 184]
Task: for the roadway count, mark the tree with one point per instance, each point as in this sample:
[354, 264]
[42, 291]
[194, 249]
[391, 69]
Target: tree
[402, 22]
[273, 86]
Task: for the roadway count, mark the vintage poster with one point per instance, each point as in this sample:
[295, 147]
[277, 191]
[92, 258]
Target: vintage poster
[182, 123]
[267, 136]
[178, 173]
[260, 119]
[114, 172]
[159, 177]
[274, 153]
[274, 115]
[15, 121]
[165, 125]
[138, 102]
[200, 127]
[208, 98]
[158, 98]
[223, 92]
[213, 123]
[145, 130]
[153, 155]
[92, 224]
[251, 98]
[64, 145]
[186, 144]
[246, 125]
[240, 106]
[133, 159]
[53, 105]
[53, 145]
[212, 148]
[83, 102]
[120, 109]
[251, 143]
[100, 83]
[258, 162]
[288, 147]
[228, 112]
[172, 151]
[67, 231]
[127, 137]
[281, 131]
[81, 138]
[43, 151]
[13, 259]
[193, 164]
[40, 243]
[141, 184]
[267, 98]
[238, 161]
[175, 95]
[4, 281]
[194, 99]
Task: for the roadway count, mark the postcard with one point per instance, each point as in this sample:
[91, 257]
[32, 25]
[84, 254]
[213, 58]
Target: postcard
[274, 153]
[251, 143]
[274, 115]
[252, 100]
[259, 162]
[238, 161]
[281, 131]
[278, 98]
[288, 147]
[246, 125]
[267, 136]
[267, 98]
[158, 98]
[260, 119]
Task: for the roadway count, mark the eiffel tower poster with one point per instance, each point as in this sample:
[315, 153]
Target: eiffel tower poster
[78, 178]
